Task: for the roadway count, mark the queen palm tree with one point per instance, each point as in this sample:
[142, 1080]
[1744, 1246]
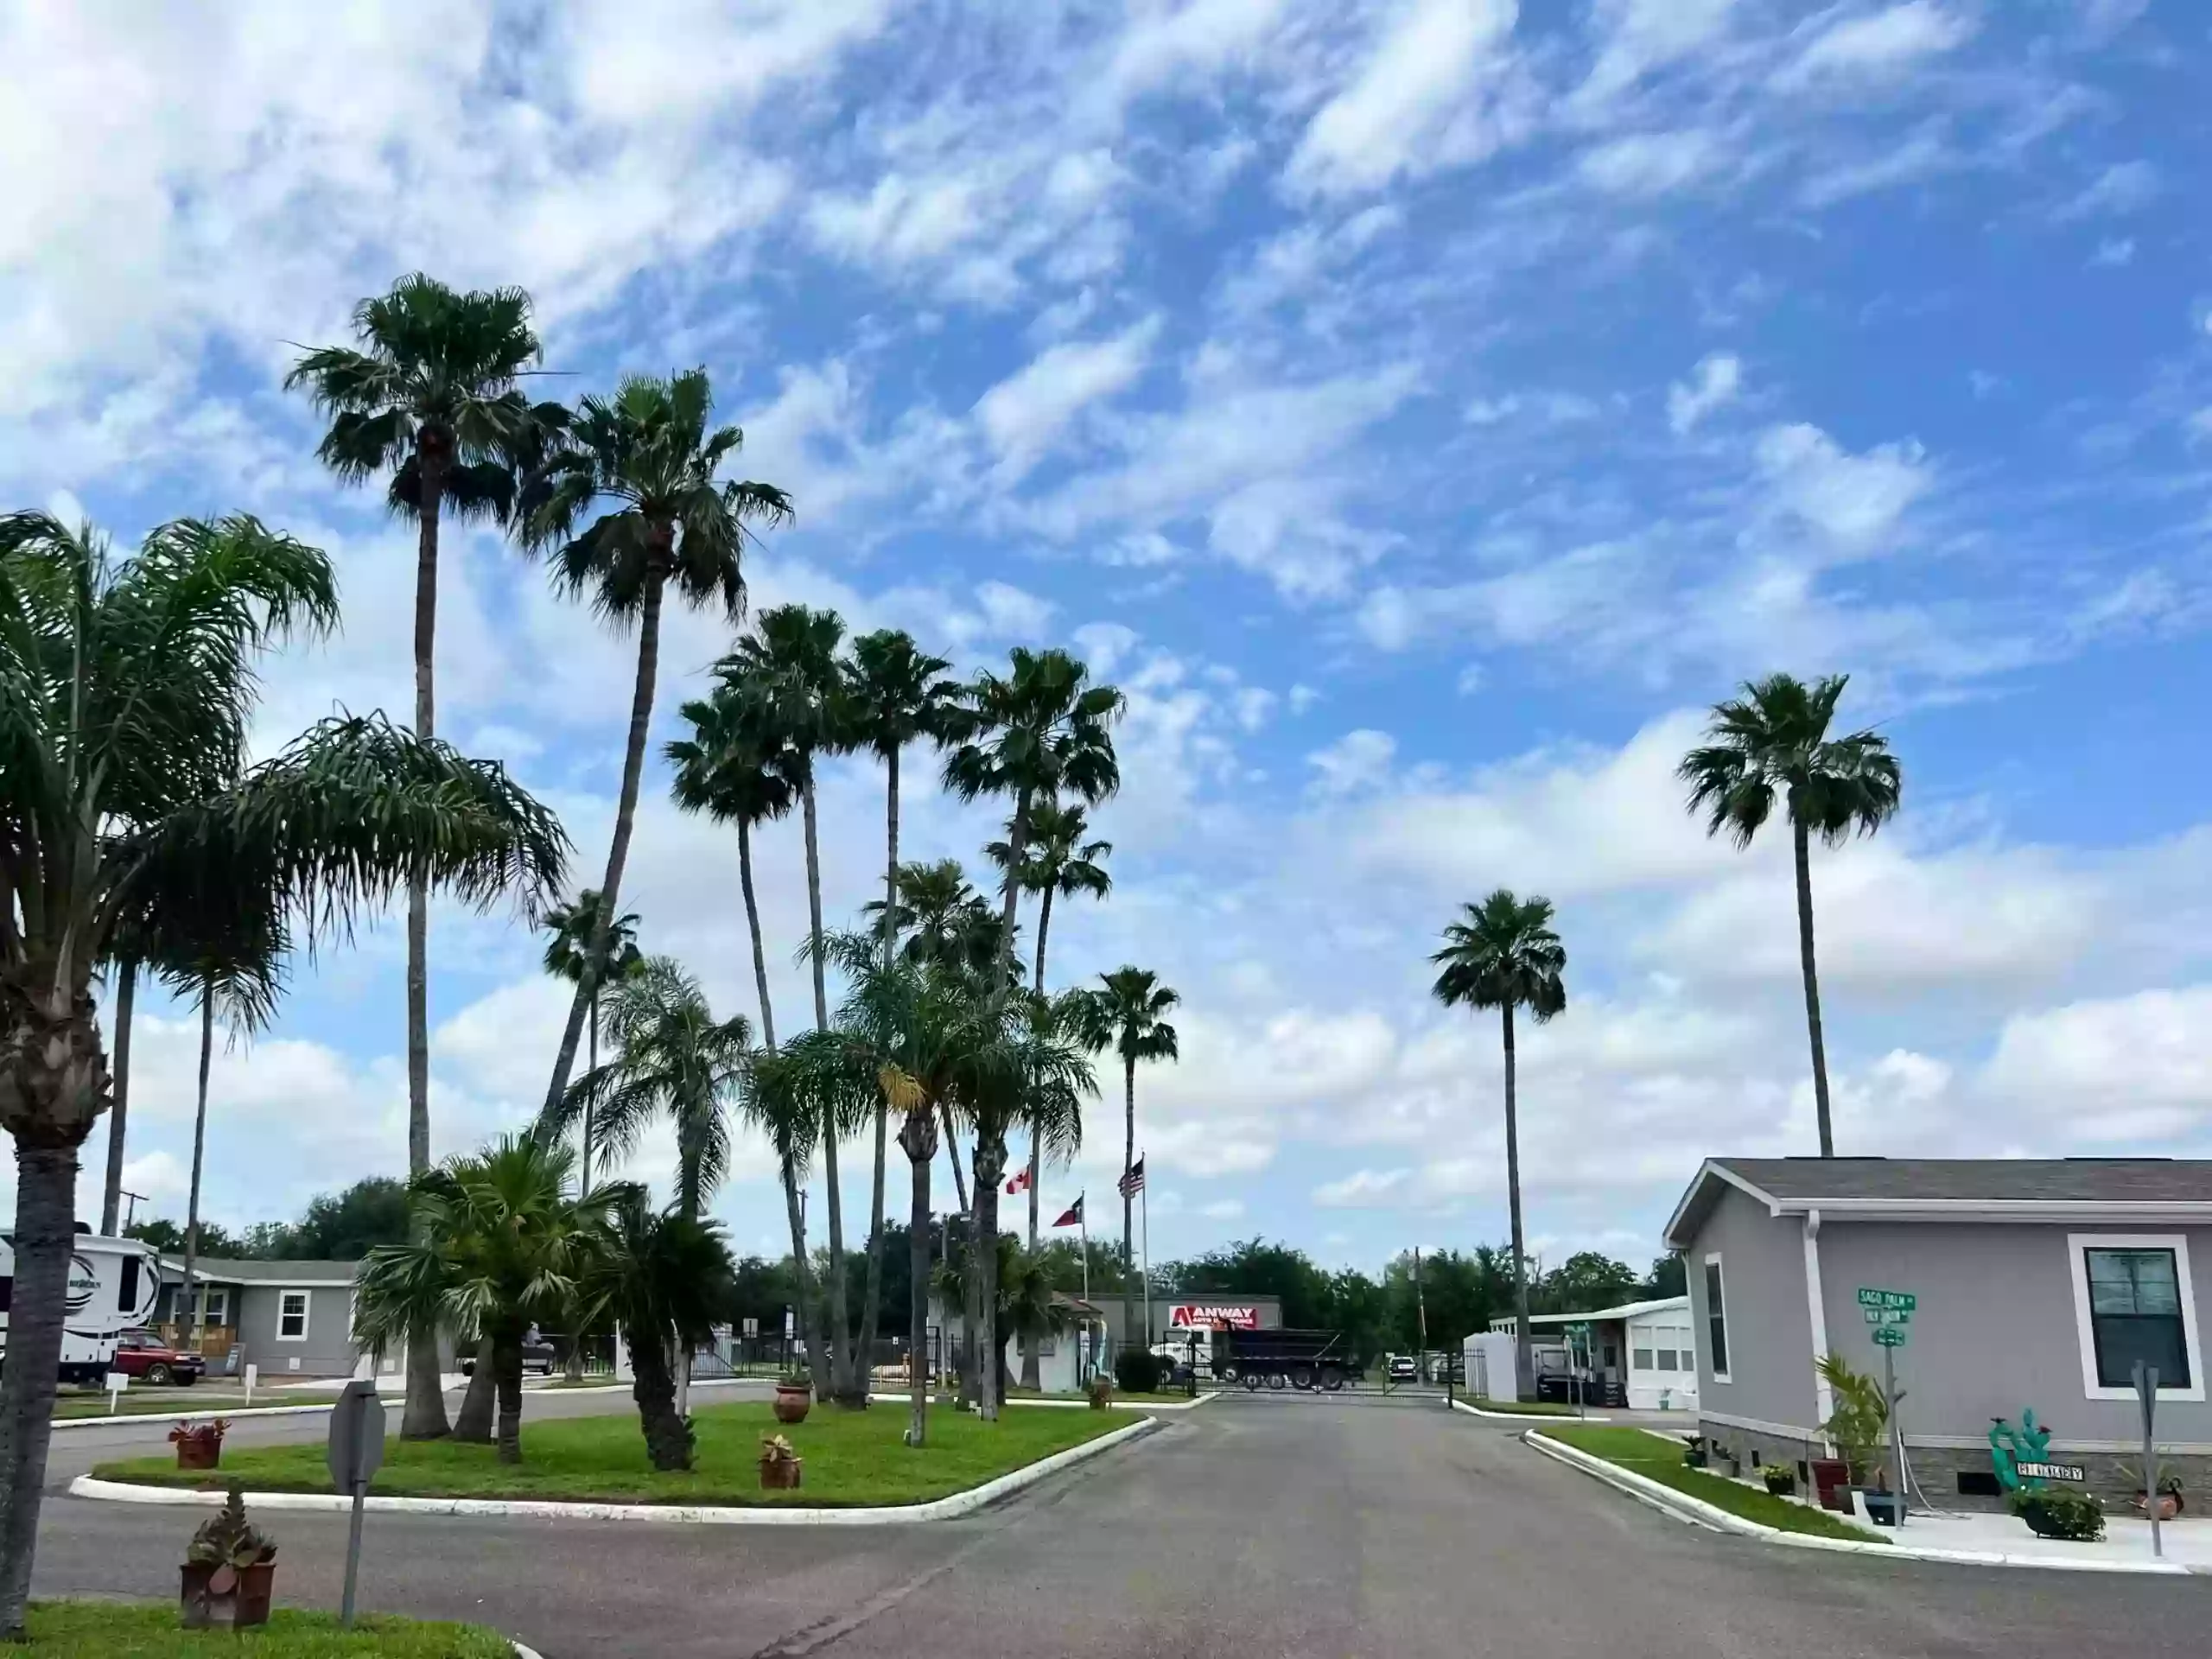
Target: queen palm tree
[648, 452]
[1503, 954]
[125, 689]
[127, 957]
[501, 1244]
[894, 693]
[663, 1279]
[786, 667]
[785, 1102]
[1127, 1012]
[1773, 741]
[429, 396]
[569, 929]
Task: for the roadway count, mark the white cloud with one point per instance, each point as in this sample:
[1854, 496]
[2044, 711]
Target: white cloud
[2123, 188]
[1024, 414]
[1355, 764]
[1643, 35]
[1222, 1209]
[1012, 613]
[1715, 383]
[1856, 500]
[2113, 252]
[1173, 46]
[2115, 1070]
[1364, 1189]
[1873, 44]
[1424, 98]
[1647, 164]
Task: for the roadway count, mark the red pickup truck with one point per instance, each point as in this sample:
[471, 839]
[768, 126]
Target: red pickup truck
[142, 1356]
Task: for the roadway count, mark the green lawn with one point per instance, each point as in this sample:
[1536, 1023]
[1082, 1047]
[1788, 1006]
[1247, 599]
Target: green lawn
[852, 1457]
[138, 1629]
[177, 1402]
[1522, 1408]
[1654, 1459]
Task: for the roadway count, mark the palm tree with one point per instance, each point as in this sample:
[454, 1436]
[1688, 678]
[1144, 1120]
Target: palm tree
[782, 1100]
[429, 396]
[1774, 740]
[499, 1244]
[1127, 1012]
[1022, 1303]
[125, 689]
[787, 668]
[128, 953]
[1040, 732]
[894, 693]
[569, 929]
[649, 451]
[1503, 954]
[663, 1279]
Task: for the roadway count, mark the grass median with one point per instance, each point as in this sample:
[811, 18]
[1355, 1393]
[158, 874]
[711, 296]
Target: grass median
[852, 1458]
[1522, 1408]
[130, 1629]
[1655, 1459]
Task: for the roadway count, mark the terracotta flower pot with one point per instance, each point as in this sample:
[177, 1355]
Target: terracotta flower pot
[195, 1452]
[780, 1474]
[2169, 1504]
[793, 1402]
[225, 1597]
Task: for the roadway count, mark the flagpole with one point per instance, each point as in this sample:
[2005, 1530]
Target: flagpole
[1145, 1196]
[1082, 1220]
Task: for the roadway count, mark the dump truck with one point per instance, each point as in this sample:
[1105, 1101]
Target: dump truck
[1283, 1358]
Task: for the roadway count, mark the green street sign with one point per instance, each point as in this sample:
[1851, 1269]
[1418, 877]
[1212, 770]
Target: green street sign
[1903, 1300]
[1889, 1336]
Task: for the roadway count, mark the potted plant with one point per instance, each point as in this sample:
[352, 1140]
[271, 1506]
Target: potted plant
[794, 1399]
[1694, 1452]
[1780, 1478]
[1102, 1392]
[229, 1571]
[1884, 1507]
[2169, 1499]
[200, 1445]
[1832, 1483]
[780, 1464]
[1855, 1421]
[2060, 1512]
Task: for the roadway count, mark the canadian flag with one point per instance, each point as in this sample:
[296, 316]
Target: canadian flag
[1019, 1183]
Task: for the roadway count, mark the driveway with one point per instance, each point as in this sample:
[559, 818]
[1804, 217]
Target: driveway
[1260, 1525]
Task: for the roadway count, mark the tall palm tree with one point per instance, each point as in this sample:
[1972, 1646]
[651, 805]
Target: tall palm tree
[649, 452]
[1036, 734]
[894, 693]
[1061, 863]
[128, 955]
[1127, 1012]
[428, 396]
[1503, 954]
[788, 667]
[501, 1244]
[1774, 740]
[125, 689]
[665, 1280]
[569, 929]
[783, 1101]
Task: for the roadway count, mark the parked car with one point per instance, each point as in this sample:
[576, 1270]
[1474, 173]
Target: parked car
[537, 1355]
[141, 1355]
[1404, 1369]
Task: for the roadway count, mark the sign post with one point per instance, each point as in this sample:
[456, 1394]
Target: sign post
[1578, 1350]
[253, 1376]
[1889, 1312]
[356, 1453]
[2147, 1396]
[116, 1382]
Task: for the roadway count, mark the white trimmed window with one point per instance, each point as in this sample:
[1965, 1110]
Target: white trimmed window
[292, 1315]
[1716, 1318]
[2133, 1304]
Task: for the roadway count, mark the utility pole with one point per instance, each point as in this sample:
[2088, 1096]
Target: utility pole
[1420, 1306]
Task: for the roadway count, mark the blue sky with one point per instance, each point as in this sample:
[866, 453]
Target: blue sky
[1421, 409]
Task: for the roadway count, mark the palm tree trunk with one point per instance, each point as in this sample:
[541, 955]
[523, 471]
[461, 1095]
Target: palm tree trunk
[1128, 1204]
[918, 1140]
[46, 1227]
[424, 1416]
[506, 1350]
[126, 993]
[983, 1276]
[189, 1324]
[872, 1284]
[952, 1155]
[839, 1332]
[1812, 984]
[475, 1421]
[573, 1370]
[1524, 1358]
[668, 1437]
[1017, 846]
[752, 925]
[625, 817]
[805, 1316]
[1032, 1368]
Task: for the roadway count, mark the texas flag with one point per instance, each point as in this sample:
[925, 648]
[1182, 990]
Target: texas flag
[1073, 1217]
[1019, 1183]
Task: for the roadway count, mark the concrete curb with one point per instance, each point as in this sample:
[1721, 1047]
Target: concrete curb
[151, 1417]
[943, 1508]
[1524, 1418]
[1072, 1404]
[522, 1652]
[1711, 1515]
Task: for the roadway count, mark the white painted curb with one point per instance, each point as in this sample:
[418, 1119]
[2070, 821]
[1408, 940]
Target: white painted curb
[1711, 1515]
[943, 1508]
[149, 1418]
[1070, 1405]
[1523, 1418]
[522, 1652]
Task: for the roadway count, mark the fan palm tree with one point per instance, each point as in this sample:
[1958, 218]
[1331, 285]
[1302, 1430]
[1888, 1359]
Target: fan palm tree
[1022, 1303]
[664, 1279]
[428, 396]
[128, 953]
[785, 1101]
[1773, 742]
[1503, 954]
[125, 689]
[499, 1244]
[1126, 1011]
[1040, 731]
[649, 452]
[786, 668]
[894, 693]
[569, 930]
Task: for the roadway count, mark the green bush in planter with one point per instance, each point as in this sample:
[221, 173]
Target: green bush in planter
[2057, 1512]
[1781, 1480]
[1136, 1371]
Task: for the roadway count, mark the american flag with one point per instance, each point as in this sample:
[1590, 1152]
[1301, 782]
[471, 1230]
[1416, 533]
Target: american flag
[1133, 1182]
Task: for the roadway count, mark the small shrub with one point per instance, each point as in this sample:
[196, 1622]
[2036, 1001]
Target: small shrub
[774, 1448]
[1782, 1482]
[1136, 1371]
[1693, 1454]
[1101, 1390]
[2055, 1512]
[228, 1539]
[209, 1434]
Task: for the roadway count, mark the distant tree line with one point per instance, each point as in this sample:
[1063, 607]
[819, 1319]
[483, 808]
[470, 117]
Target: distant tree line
[335, 1227]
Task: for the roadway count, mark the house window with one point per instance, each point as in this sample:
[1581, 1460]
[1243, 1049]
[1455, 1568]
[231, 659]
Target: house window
[2135, 1316]
[1666, 1360]
[1640, 1358]
[2133, 1304]
[213, 1302]
[292, 1316]
[127, 1297]
[1716, 1318]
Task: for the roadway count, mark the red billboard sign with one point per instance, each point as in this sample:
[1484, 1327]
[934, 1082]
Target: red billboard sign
[1213, 1316]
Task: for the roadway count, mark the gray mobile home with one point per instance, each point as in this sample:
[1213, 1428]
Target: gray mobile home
[290, 1319]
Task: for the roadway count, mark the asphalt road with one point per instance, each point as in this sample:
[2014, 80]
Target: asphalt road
[1258, 1526]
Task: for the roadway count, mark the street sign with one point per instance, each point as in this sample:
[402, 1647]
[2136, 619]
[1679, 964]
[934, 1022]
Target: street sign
[1889, 1336]
[1904, 1300]
[2033, 1471]
[356, 1453]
